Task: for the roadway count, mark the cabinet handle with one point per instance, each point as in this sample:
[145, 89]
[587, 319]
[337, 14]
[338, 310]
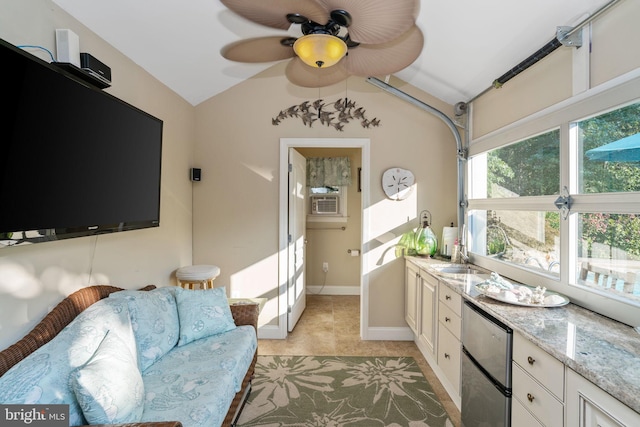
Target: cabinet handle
[446, 356]
[530, 397]
[531, 360]
[446, 319]
[447, 297]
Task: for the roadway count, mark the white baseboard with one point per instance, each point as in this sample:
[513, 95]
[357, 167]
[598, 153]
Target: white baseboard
[270, 332]
[389, 334]
[333, 290]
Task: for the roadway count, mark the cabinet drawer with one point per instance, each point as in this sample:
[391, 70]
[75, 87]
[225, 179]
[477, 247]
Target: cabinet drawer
[536, 399]
[450, 319]
[449, 357]
[451, 299]
[520, 417]
[545, 368]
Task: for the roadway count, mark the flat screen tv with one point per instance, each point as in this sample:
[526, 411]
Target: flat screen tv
[76, 161]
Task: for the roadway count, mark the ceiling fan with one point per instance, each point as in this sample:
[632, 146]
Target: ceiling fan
[339, 37]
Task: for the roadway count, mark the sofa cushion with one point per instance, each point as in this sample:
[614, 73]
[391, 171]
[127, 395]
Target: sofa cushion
[202, 313]
[154, 318]
[196, 399]
[109, 386]
[43, 376]
[231, 352]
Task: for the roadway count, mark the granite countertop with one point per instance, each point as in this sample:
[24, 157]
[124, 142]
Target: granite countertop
[604, 351]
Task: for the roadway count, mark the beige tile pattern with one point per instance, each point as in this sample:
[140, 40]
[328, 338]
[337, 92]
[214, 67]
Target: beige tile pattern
[330, 326]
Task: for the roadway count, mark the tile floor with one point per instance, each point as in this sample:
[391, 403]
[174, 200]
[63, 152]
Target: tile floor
[330, 326]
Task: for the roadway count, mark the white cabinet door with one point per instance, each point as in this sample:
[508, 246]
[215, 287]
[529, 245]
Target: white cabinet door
[590, 406]
[428, 312]
[411, 280]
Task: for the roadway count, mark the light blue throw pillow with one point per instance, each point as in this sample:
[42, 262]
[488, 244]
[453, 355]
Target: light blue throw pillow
[154, 318]
[202, 313]
[109, 386]
[43, 376]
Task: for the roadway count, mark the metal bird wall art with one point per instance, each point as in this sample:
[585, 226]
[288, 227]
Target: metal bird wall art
[336, 114]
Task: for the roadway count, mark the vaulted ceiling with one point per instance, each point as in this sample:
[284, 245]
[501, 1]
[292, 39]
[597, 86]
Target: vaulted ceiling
[468, 43]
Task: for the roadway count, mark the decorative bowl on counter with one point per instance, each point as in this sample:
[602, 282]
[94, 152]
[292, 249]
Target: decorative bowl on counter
[501, 290]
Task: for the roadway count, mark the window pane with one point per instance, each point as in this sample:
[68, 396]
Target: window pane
[609, 151]
[609, 253]
[526, 238]
[527, 168]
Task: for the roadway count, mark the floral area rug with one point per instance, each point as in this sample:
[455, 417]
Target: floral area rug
[333, 391]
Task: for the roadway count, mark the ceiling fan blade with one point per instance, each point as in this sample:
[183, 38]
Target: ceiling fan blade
[301, 74]
[387, 58]
[259, 49]
[273, 13]
[377, 21]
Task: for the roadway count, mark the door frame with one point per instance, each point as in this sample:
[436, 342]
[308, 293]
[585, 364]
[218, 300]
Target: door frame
[285, 143]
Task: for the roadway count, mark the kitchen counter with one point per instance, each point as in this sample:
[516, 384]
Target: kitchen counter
[604, 351]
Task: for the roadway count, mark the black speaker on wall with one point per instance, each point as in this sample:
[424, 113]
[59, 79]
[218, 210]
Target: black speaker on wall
[196, 174]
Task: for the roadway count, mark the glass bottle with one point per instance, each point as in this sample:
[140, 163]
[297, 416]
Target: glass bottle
[426, 241]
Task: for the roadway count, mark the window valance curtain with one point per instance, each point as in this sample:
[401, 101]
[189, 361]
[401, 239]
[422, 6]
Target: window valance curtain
[328, 171]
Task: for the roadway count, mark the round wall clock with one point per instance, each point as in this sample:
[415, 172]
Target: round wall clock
[397, 183]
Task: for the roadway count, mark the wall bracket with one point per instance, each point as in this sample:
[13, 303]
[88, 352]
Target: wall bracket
[568, 37]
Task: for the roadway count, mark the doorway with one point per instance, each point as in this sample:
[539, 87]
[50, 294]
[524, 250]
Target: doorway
[360, 146]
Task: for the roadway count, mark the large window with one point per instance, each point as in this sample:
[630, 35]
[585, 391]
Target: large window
[561, 207]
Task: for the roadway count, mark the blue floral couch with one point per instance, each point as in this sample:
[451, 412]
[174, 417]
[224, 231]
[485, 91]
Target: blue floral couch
[142, 357]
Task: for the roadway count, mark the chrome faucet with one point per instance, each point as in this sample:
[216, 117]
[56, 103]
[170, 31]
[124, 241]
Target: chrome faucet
[461, 256]
[464, 257]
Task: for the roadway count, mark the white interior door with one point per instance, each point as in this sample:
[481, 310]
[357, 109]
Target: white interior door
[296, 295]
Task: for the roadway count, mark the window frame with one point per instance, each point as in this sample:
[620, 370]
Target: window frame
[609, 96]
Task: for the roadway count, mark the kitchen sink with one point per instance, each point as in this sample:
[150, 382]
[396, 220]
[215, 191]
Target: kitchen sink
[457, 269]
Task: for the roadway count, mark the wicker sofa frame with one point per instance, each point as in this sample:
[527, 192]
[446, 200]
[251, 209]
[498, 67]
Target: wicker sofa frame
[70, 307]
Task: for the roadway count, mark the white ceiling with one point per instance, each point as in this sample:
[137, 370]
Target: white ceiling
[468, 43]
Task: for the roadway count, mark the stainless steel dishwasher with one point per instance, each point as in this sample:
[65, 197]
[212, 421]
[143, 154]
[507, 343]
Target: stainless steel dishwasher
[486, 369]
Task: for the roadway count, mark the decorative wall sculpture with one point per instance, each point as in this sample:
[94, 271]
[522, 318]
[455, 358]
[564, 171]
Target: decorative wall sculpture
[336, 114]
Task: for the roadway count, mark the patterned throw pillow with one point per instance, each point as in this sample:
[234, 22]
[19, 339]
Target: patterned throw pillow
[109, 386]
[202, 313]
[154, 318]
[43, 376]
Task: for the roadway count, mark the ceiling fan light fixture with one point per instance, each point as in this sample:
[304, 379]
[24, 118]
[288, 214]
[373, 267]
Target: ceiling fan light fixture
[320, 50]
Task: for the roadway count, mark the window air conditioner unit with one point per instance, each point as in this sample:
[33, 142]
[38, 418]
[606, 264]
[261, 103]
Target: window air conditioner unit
[324, 205]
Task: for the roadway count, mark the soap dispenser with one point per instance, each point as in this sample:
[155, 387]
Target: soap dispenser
[426, 241]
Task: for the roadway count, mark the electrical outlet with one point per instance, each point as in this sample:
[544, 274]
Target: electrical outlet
[325, 267]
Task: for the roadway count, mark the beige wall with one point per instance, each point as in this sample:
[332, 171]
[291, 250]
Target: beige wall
[35, 278]
[236, 205]
[615, 41]
[544, 84]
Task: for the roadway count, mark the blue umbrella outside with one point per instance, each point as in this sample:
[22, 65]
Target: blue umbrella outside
[623, 150]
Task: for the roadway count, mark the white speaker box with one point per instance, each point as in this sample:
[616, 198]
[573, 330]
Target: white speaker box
[68, 47]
